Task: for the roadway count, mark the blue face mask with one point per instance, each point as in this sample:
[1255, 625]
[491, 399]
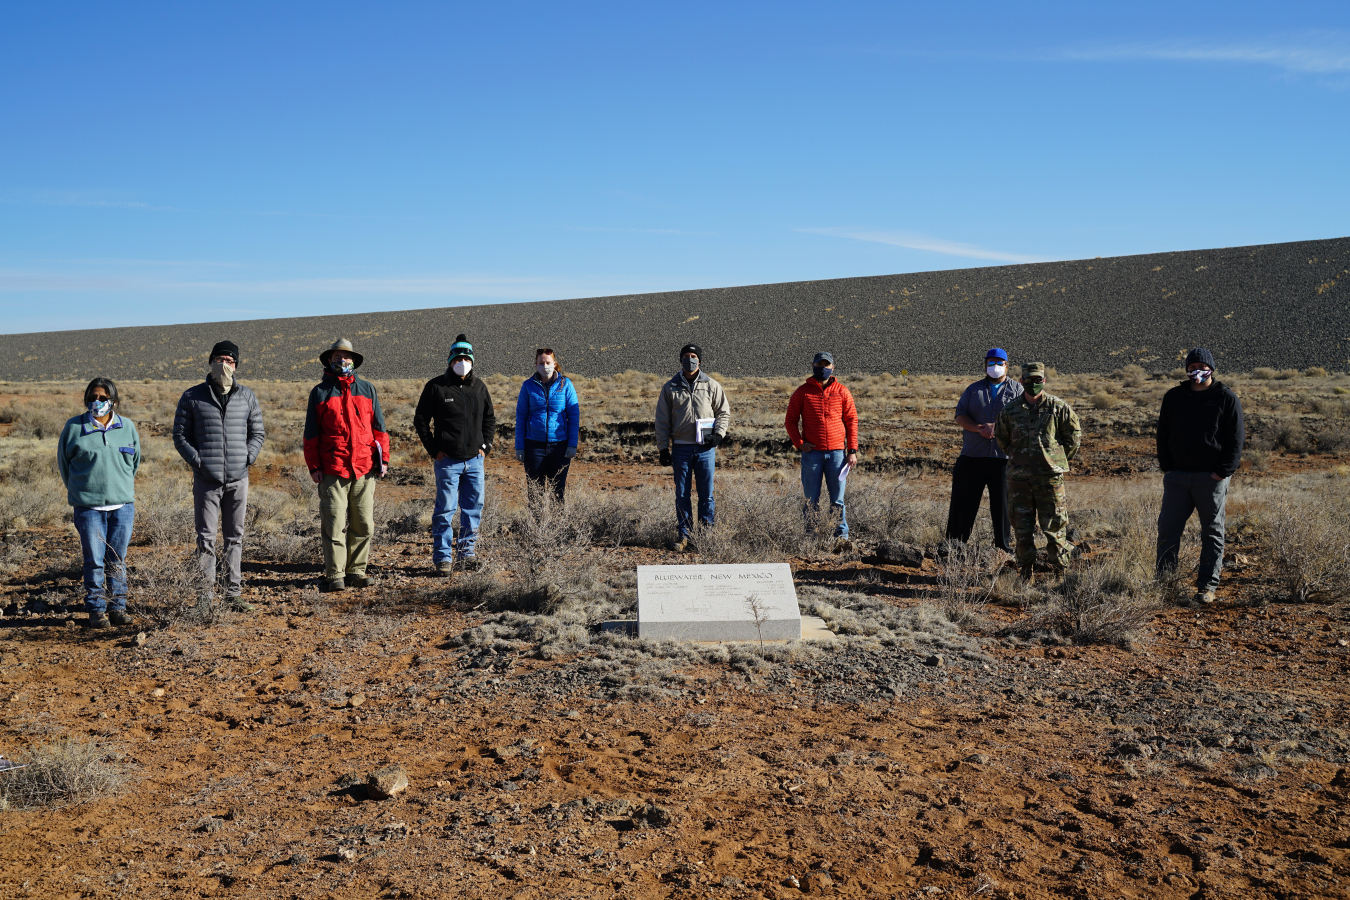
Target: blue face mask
[100, 408]
[823, 373]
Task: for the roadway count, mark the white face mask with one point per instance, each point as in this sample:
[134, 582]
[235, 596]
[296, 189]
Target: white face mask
[996, 371]
[462, 367]
[545, 370]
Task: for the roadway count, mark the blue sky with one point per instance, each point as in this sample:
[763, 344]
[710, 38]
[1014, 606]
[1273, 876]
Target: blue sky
[191, 162]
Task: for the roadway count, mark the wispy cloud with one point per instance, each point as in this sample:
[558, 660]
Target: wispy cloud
[911, 241]
[81, 198]
[1321, 53]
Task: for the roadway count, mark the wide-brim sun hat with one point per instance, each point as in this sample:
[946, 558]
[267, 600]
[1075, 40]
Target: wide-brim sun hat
[342, 344]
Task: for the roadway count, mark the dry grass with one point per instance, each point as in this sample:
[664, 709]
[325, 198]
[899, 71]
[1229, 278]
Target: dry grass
[1306, 534]
[63, 773]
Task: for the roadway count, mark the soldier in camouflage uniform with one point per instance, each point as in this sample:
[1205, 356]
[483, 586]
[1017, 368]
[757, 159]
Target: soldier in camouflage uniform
[1041, 435]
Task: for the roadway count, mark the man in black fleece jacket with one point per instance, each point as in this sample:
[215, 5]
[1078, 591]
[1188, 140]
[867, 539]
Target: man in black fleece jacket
[456, 423]
[1200, 438]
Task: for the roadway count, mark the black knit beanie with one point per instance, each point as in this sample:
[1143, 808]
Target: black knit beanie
[226, 348]
[694, 349]
[1200, 355]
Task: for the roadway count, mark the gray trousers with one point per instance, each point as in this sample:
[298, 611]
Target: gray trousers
[224, 505]
[1183, 494]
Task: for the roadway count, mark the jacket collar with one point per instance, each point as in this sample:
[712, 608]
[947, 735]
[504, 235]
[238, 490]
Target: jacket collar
[90, 426]
[680, 379]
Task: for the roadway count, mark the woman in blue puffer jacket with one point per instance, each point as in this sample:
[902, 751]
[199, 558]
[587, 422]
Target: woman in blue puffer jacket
[548, 422]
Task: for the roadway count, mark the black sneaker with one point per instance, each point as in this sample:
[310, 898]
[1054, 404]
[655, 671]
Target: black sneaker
[359, 581]
[119, 617]
[332, 585]
[97, 620]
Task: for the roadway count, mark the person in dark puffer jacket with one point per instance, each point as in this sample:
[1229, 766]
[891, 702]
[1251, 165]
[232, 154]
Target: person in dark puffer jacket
[218, 430]
[456, 422]
[346, 449]
[1200, 439]
[548, 424]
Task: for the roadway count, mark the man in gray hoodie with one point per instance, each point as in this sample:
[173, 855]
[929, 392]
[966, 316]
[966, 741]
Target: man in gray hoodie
[218, 430]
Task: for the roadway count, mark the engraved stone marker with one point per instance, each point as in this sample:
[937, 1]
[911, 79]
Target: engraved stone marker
[709, 603]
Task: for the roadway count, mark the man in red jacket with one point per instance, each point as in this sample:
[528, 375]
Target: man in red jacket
[827, 436]
[346, 449]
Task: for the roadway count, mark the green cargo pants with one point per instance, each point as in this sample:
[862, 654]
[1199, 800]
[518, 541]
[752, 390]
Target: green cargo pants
[1033, 494]
[347, 510]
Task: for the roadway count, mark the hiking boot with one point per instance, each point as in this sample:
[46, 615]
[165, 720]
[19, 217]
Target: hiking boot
[238, 603]
[843, 545]
[444, 569]
[332, 585]
[97, 620]
[359, 581]
[1027, 574]
[1205, 597]
[119, 617]
[469, 562]
[678, 546]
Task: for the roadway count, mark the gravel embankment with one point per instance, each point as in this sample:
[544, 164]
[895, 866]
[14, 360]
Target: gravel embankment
[1277, 305]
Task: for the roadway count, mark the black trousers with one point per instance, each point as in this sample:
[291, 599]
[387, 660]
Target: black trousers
[970, 476]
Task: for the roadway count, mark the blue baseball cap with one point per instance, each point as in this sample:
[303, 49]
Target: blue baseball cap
[997, 353]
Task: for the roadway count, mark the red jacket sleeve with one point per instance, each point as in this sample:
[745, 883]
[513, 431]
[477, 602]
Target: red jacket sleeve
[312, 432]
[850, 421]
[377, 424]
[794, 413]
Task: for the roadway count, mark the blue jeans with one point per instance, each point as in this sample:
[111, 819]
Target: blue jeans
[1184, 493]
[104, 537]
[456, 480]
[826, 464]
[547, 465]
[693, 463]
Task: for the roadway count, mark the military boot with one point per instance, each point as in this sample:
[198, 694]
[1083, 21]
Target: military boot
[1027, 574]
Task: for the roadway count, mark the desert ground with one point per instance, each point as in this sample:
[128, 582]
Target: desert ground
[961, 736]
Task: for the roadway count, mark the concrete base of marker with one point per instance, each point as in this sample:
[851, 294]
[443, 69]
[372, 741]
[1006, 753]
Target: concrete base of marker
[813, 629]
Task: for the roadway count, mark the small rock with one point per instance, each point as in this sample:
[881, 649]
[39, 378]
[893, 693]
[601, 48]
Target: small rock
[1057, 653]
[1133, 748]
[387, 782]
[897, 554]
[842, 758]
[934, 660]
[356, 700]
[818, 882]
[299, 859]
[210, 824]
[978, 759]
[140, 639]
[657, 816]
[792, 882]
[157, 692]
[1343, 643]
[346, 854]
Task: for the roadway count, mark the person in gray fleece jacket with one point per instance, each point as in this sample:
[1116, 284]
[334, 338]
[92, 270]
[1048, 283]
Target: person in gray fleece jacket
[218, 430]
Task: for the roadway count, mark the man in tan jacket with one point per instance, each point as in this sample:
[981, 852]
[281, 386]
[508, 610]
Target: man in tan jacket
[692, 418]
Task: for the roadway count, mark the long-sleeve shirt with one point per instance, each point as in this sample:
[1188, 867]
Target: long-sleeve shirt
[1201, 431]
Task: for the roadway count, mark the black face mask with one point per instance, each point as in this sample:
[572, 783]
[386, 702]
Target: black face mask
[823, 373]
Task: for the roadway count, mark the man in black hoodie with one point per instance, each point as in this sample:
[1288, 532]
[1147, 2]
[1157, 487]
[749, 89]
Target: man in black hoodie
[1200, 438]
[455, 421]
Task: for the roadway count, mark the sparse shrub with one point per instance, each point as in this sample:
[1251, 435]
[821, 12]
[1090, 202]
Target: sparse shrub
[42, 422]
[1288, 374]
[1132, 376]
[166, 587]
[885, 509]
[1263, 372]
[1307, 536]
[1095, 604]
[164, 509]
[1315, 372]
[965, 583]
[1259, 460]
[63, 773]
[1105, 400]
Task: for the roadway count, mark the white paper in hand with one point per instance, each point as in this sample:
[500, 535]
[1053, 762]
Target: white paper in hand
[704, 425]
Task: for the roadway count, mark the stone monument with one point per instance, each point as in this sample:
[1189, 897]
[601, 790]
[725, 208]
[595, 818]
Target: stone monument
[718, 603]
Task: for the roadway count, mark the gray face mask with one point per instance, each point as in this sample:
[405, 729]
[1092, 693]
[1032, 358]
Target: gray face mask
[690, 364]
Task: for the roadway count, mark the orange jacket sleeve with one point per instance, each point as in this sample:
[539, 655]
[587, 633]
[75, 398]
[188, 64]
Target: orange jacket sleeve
[850, 421]
[794, 414]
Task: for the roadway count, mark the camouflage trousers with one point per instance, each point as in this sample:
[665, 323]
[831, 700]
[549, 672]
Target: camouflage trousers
[1033, 494]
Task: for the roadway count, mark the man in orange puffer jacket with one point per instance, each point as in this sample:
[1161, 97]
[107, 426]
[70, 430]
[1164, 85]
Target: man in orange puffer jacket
[827, 436]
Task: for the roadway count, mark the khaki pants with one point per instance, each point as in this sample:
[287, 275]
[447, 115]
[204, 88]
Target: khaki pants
[347, 510]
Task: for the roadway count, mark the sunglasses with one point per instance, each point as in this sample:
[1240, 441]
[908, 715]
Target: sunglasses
[1035, 381]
